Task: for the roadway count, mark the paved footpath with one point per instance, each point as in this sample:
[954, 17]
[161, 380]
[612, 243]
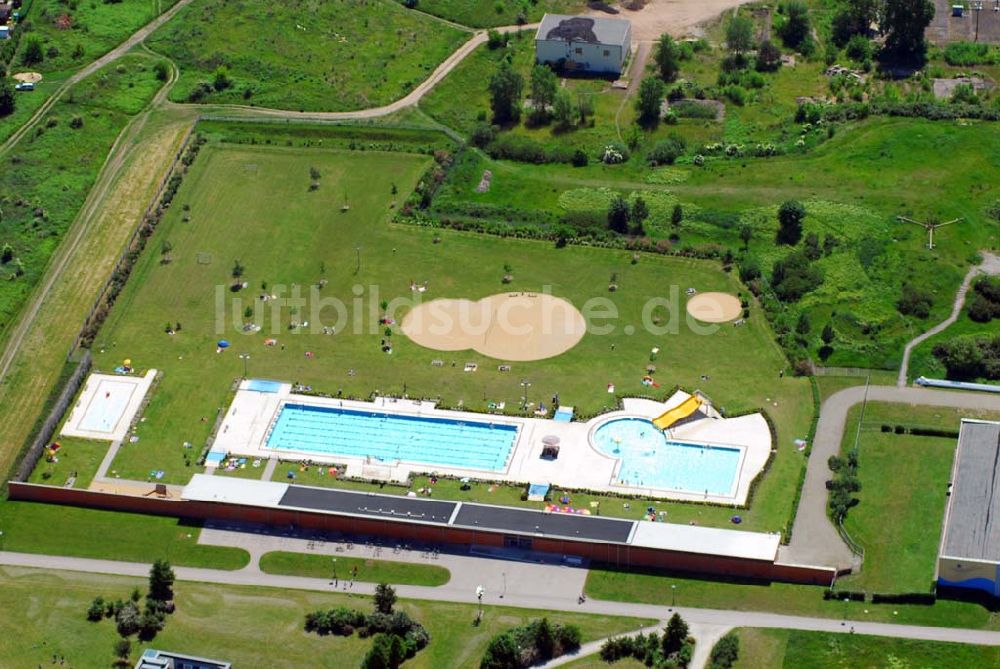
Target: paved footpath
[541, 600]
[814, 538]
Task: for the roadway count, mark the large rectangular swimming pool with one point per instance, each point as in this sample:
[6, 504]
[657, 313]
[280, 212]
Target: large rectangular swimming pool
[444, 442]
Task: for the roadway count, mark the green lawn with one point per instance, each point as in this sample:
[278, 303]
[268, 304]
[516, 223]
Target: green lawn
[923, 362]
[331, 55]
[371, 571]
[248, 626]
[791, 649]
[655, 588]
[904, 478]
[30, 527]
[76, 33]
[233, 216]
[49, 172]
[77, 458]
[27, 103]
[488, 13]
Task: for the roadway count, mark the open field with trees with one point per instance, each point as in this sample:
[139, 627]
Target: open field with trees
[304, 55]
[243, 625]
[790, 649]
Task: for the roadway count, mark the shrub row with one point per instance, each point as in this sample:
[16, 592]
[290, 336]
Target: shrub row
[920, 431]
[921, 598]
[812, 112]
[841, 595]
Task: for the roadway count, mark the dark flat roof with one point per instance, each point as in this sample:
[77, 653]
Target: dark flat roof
[368, 504]
[972, 527]
[526, 521]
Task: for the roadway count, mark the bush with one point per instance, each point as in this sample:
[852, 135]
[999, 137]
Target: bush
[768, 57]
[691, 109]
[496, 39]
[841, 595]
[920, 598]
[96, 609]
[794, 276]
[483, 134]
[736, 94]
[915, 301]
[725, 652]
[859, 49]
[966, 54]
[795, 28]
[666, 151]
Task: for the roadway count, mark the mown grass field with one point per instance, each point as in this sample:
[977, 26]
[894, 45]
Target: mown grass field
[27, 103]
[30, 527]
[904, 478]
[246, 626]
[73, 34]
[77, 458]
[791, 649]
[343, 568]
[335, 55]
[488, 13]
[232, 216]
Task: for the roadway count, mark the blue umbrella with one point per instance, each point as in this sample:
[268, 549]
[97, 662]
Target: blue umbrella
[223, 343]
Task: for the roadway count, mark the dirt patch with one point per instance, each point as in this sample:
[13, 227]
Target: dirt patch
[677, 17]
[28, 77]
[508, 326]
[714, 307]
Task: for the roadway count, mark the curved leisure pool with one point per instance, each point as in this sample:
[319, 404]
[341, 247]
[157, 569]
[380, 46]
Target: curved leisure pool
[650, 460]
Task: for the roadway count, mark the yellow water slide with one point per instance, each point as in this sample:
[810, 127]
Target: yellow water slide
[679, 412]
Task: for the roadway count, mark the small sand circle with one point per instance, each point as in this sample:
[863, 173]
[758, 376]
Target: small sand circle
[28, 77]
[714, 307]
[509, 326]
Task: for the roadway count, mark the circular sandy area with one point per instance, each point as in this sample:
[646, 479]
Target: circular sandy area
[28, 77]
[508, 326]
[714, 307]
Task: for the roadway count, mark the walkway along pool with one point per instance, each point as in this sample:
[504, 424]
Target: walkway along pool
[387, 437]
[648, 459]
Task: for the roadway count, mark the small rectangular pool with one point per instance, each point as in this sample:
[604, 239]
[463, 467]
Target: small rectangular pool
[445, 442]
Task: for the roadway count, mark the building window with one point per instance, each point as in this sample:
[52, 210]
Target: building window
[607, 53]
[579, 51]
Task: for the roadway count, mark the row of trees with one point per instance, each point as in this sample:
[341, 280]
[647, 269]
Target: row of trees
[397, 637]
[548, 101]
[535, 643]
[673, 649]
[902, 22]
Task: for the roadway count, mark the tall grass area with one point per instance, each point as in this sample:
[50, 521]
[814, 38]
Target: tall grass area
[330, 55]
[47, 176]
[489, 13]
[73, 34]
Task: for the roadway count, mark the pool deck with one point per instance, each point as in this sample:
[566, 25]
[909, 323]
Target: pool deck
[245, 428]
[107, 406]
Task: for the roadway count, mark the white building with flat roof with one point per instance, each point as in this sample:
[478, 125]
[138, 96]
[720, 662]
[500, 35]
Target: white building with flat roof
[583, 43]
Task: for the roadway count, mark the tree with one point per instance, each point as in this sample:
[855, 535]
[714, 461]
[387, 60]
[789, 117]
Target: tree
[915, 301]
[32, 54]
[238, 269]
[7, 101]
[545, 642]
[501, 653]
[221, 80]
[649, 100]
[828, 335]
[804, 325]
[618, 215]
[127, 619]
[505, 88]
[584, 105]
[677, 215]
[796, 27]
[725, 652]
[162, 70]
[123, 649]
[161, 581]
[640, 212]
[666, 151]
[674, 635]
[668, 58]
[904, 23]
[790, 215]
[768, 57]
[379, 656]
[563, 109]
[739, 35]
[746, 234]
[95, 611]
[544, 85]
[385, 598]
[854, 18]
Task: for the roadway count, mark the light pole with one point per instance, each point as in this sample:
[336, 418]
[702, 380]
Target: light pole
[504, 574]
[846, 600]
[673, 595]
[244, 357]
[480, 591]
[357, 263]
[525, 384]
[978, 7]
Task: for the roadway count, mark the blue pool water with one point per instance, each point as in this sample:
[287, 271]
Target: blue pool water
[432, 441]
[264, 386]
[650, 460]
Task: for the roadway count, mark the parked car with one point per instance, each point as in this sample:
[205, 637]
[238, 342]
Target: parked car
[25, 86]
